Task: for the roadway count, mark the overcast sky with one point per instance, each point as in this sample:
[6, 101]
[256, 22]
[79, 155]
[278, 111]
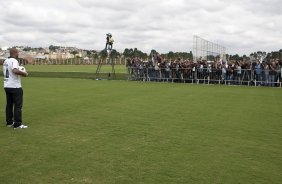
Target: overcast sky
[242, 26]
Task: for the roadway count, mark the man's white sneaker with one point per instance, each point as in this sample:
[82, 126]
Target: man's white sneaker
[21, 126]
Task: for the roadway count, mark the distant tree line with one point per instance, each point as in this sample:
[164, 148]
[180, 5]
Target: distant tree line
[258, 55]
[132, 53]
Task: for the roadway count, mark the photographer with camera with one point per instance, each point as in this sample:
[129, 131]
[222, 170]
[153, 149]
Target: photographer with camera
[109, 41]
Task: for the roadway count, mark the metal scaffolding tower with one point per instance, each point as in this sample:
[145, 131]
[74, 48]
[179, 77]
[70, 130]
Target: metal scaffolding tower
[206, 50]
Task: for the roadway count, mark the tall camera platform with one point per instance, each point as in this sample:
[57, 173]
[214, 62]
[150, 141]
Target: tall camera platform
[110, 75]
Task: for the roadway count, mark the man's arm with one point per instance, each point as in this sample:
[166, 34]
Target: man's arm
[21, 73]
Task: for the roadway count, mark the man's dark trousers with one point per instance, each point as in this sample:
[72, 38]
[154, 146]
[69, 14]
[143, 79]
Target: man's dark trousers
[14, 97]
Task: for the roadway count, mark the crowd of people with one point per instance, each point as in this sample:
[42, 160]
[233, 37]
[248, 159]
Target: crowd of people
[259, 73]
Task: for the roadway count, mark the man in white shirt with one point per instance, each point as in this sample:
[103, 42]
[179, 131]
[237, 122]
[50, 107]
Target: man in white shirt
[13, 89]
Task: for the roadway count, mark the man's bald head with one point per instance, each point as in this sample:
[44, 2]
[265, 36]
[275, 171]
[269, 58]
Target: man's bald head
[14, 53]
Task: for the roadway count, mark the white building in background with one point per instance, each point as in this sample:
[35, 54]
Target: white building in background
[4, 54]
[45, 53]
[60, 55]
[52, 55]
[69, 55]
[4, 48]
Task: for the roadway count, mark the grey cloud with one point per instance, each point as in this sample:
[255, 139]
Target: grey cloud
[263, 7]
[167, 25]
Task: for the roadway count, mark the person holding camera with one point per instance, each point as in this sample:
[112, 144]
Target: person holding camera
[109, 41]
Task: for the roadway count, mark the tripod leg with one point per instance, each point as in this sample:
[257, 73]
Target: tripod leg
[113, 70]
[98, 68]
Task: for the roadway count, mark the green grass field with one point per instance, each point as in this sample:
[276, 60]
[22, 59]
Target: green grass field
[76, 71]
[74, 68]
[104, 132]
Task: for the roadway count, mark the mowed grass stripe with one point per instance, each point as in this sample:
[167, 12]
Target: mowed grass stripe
[86, 131]
[75, 68]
